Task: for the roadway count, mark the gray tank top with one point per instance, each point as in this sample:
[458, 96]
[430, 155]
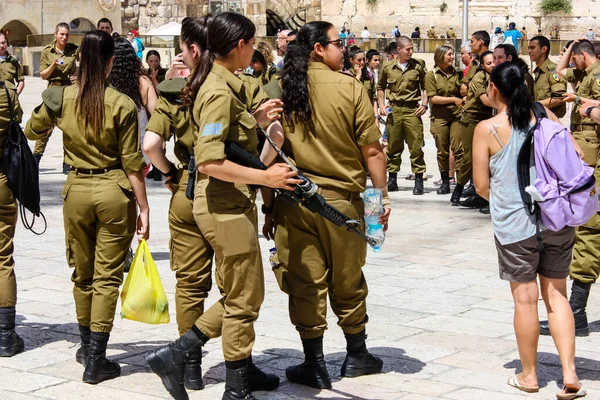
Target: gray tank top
[512, 223]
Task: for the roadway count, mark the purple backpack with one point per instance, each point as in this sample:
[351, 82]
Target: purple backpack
[563, 191]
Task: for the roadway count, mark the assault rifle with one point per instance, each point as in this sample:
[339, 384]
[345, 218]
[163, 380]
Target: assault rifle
[304, 193]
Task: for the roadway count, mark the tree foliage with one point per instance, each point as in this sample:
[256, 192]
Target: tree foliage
[552, 6]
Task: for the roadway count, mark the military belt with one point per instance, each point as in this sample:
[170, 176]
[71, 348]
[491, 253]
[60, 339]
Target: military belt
[99, 171]
[407, 104]
[338, 193]
[583, 127]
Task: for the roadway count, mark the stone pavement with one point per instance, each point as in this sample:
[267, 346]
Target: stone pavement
[440, 317]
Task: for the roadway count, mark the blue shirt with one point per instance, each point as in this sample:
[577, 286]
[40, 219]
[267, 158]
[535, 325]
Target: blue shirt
[515, 35]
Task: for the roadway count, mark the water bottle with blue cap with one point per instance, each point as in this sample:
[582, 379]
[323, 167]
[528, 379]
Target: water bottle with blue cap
[373, 199]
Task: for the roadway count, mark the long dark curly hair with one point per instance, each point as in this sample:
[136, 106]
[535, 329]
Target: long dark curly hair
[294, 76]
[126, 71]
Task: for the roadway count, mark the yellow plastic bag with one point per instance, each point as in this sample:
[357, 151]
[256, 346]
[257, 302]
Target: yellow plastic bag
[143, 298]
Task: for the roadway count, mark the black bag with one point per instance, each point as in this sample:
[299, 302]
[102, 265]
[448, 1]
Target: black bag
[21, 170]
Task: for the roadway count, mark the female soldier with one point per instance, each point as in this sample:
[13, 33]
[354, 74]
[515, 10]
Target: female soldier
[477, 108]
[355, 62]
[10, 342]
[156, 72]
[331, 135]
[443, 89]
[10, 69]
[224, 208]
[191, 253]
[262, 64]
[372, 69]
[100, 136]
[58, 65]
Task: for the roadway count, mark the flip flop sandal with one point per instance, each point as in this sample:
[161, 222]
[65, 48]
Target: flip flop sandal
[570, 394]
[514, 382]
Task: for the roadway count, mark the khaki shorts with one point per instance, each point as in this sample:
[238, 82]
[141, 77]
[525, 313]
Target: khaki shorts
[522, 261]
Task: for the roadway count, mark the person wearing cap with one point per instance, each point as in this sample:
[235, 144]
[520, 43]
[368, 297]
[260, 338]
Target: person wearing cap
[431, 33]
[450, 34]
[590, 35]
[497, 38]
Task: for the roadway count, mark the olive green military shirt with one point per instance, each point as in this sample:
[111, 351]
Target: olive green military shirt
[471, 71]
[438, 83]
[546, 82]
[10, 70]
[474, 110]
[62, 73]
[220, 114]
[431, 34]
[451, 34]
[404, 86]
[5, 111]
[273, 89]
[327, 148]
[588, 89]
[170, 118]
[255, 94]
[118, 143]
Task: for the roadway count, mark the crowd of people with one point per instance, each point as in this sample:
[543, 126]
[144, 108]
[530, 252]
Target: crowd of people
[324, 104]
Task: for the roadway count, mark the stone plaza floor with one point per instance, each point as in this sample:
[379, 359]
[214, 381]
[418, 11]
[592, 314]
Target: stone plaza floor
[440, 317]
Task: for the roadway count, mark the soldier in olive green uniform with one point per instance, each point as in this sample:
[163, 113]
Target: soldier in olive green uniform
[225, 211]
[443, 90]
[450, 34]
[10, 342]
[10, 69]
[474, 111]
[405, 80]
[99, 195]
[549, 87]
[480, 42]
[58, 64]
[316, 258]
[585, 267]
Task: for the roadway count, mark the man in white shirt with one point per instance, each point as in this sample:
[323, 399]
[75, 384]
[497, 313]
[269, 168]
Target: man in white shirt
[365, 36]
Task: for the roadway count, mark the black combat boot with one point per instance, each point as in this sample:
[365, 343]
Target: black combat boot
[455, 198]
[168, 362]
[10, 342]
[445, 186]
[469, 191]
[82, 352]
[193, 370]
[392, 182]
[237, 384]
[313, 371]
[98, 368]
[580, 293]
[359, 361]
[475, 201]
[259, 380]
[418, 189]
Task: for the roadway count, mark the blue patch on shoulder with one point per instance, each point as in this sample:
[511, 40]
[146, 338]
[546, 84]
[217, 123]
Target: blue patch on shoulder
[212, 129]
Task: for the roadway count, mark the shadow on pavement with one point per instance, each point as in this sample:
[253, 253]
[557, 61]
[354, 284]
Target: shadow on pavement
[37, 335]
[549, 368]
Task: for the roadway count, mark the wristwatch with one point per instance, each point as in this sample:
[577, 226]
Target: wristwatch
[266, 210]
[577, 100]
[425, 106]
[588, 111]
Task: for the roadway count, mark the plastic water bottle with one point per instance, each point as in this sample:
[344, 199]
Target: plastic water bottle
[373, 199]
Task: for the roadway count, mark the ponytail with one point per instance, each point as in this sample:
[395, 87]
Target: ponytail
[509, 79]
[194, 32]
[294, 75]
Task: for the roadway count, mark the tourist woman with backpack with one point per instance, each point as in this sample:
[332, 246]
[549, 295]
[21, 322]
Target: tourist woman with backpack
[105, 181]
[496, 145]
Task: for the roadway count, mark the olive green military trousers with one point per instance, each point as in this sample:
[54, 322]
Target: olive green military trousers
[191, 258]
[465, 170]
[446, 133]
[226, 216]
[404, 126]
[99, 214]
[8, 222]
[316, 258]
[586, 253]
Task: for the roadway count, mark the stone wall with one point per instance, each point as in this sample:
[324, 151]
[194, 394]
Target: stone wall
[144, 15]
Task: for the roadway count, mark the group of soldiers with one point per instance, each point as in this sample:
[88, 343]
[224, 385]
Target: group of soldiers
[219, 217]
